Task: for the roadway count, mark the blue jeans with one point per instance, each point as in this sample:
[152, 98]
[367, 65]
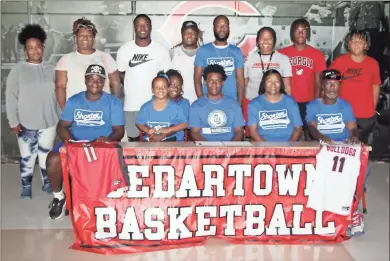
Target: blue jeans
[33, 143]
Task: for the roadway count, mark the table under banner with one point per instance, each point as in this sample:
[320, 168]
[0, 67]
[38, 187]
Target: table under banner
[137, 197]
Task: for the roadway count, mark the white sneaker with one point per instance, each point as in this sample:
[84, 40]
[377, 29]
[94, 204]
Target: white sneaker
[357, 224]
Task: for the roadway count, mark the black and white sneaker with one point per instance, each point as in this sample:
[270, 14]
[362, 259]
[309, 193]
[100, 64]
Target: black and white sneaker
[57, 208]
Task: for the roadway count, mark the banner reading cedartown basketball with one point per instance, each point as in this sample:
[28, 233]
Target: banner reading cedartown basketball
[180, 196]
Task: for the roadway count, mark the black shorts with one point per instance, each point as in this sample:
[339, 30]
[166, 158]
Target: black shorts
[302, 111]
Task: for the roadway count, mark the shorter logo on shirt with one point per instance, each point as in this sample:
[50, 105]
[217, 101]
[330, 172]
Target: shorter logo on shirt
[158, 125]
[117, 182]
[330, 123]
[226, 62]
[88, 118]
[138, 59]
[217, 120]
[345, 208]
[299, 71]
[275, 119]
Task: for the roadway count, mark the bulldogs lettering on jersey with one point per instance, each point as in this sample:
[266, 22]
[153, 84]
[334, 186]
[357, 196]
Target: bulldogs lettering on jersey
[337, 172]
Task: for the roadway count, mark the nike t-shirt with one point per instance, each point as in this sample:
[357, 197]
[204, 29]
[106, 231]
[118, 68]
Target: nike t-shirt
[357, 83]
[141, 65]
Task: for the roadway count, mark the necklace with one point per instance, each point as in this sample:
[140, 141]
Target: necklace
[269, 63]
[218, 53]
[214, 102]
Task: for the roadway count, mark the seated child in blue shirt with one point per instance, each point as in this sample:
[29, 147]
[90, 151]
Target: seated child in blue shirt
[175, 93]
[160, 118]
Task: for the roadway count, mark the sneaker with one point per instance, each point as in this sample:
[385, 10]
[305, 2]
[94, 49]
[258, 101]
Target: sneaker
[26, 193]
[57, 208]
[47, 188]
[357, 228]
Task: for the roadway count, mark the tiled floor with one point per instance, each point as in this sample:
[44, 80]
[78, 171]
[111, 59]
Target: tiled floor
[28, 234]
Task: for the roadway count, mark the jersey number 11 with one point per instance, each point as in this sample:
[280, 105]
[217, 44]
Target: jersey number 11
[336, 161]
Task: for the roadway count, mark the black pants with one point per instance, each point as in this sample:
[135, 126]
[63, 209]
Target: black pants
[302, 112]
[365, 127]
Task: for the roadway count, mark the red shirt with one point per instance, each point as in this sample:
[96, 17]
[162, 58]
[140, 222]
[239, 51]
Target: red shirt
[305, 63]
[357, 82]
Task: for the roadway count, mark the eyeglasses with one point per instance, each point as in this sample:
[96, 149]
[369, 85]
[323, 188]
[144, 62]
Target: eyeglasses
[83, 26]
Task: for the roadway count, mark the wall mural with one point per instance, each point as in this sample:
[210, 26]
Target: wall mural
[330, 21]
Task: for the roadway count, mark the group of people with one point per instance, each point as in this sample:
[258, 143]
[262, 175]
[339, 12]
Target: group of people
[199, 93]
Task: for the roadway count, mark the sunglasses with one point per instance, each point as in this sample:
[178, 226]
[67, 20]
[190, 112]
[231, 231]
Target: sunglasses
[88, 27]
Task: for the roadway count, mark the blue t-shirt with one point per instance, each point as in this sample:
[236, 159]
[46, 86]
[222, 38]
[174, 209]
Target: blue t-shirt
[93, 119]
[275, 121]
[216, 119]
[331, 119]
[230, 58]
[171, 115]
[185, 106]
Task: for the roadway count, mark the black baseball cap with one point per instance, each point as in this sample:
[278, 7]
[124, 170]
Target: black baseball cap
[96, 69]
[189, 24]
[332, 74]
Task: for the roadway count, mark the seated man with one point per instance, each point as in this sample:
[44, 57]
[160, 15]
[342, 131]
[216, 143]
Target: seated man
[91, 115]
[215, 117]
[329, 117]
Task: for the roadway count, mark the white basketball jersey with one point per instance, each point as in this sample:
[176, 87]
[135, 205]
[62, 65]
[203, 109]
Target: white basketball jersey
[335, 180]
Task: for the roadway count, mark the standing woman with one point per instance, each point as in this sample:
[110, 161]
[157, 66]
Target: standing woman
[32, 108]
[70, 69]
[360, 81]
[259, 62]
[274, 115]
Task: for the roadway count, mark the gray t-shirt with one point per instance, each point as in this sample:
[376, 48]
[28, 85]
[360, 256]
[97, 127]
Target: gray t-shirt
[30, 96]
[253, 70]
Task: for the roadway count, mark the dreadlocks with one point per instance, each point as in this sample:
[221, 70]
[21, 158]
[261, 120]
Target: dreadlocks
[295, 24]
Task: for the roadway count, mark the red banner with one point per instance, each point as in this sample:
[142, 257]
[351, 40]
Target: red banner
[179, 197]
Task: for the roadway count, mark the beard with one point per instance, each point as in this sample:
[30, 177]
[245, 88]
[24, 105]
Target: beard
[221, 39]
[331, 95]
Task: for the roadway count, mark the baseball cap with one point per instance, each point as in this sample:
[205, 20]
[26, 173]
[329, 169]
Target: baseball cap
[189, 24]
[332, 74]
[96, 69]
